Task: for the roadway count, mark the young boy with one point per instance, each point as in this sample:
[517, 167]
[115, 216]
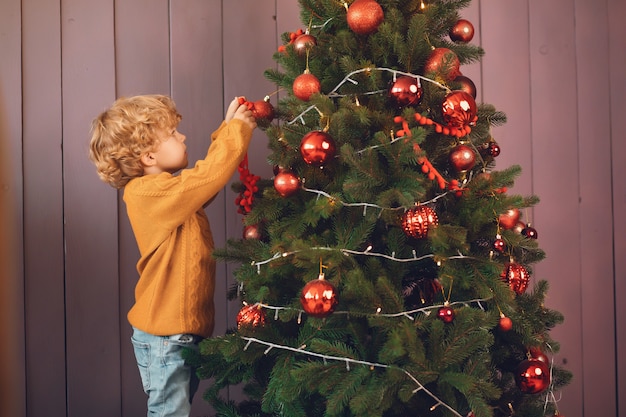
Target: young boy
[135, 146]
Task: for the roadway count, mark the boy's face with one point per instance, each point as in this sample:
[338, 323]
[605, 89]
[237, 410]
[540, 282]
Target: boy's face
[171, 153]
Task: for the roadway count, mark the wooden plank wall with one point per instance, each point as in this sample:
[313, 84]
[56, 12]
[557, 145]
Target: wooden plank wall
[555, 67]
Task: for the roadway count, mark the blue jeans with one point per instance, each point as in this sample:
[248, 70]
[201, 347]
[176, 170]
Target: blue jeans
[169, 382]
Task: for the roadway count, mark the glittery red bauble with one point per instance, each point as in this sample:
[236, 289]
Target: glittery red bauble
[509, 218]
[251, 232]
[305, 85]
[263, 109]
[532, 376]
[505, 324]
[466, 84]
[286, 183]
[251, 316]
[318, 298]
[516, 276]
[446, 314]
[462, 158]
[304, 42]
[317, 147]
[462, 31]
[406, 91]
[417, 221]
[444, 63]
[459, 109]
[364, 16]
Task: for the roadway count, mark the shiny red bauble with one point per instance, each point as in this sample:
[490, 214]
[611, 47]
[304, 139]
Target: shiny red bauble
[317, 148]
[516, 276]
[446, 314]
[466, 84]
[459, 109]
[304, 43]
[406, 91]
[505, 324]
[444, 63]
[263, 109]
[364, 16]
[499, 244]
[251, 316]
[462, 158]
[251, 232]
[530, 232]
[286, 183]
[462, 31]
[318, 298]
[509, 219]
[417, 221]
[532, 376]
[305, 85]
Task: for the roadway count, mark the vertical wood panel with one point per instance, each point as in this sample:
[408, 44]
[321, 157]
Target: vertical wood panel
[92, 291]
[594, 145]
[142, 52]
[555, 165]
[43, 209]
[12, 362]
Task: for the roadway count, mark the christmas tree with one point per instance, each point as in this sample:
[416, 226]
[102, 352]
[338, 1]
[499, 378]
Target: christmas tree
[383, 271]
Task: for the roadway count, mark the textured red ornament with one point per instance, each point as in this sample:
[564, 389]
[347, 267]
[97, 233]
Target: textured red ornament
[446, 314]
[286, 183]
[251, 232]
[251, 316]
[317, 148]
[466, 84]
[516, 276]
[459, 109]
[305, 85]
[462, 31]
[509, 218]
[462, 158]
[505, 324]
[364, 16]
[304, 42]
[443, 62]
[319, 297]
[263, 109]
[417, 221]
[406, 91]
[532, 376]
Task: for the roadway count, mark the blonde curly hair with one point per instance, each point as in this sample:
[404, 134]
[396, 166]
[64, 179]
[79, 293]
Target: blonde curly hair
[127, 130]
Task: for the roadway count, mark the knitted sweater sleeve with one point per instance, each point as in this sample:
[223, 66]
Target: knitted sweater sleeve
[157, 204]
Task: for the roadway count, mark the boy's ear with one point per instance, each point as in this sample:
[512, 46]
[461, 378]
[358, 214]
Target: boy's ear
[148, 159]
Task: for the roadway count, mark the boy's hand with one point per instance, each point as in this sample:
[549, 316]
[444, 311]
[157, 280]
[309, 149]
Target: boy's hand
[240, 109]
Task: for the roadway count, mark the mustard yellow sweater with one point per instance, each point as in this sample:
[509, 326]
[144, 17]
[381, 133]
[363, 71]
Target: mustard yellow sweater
[174, 293]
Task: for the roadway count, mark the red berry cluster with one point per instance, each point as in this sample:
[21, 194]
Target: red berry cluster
[246, 197]
[446, 130]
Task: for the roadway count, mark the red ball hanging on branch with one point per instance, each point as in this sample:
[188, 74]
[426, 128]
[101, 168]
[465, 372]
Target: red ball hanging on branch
[530, 232]
[364, 16]
[317, 148]
[319, 297]
[505, 324]
[459, 109]
[406, 91]
[462, 31]
[446, 314]
[509, 218]
[462, 158]
[251, 316]
[304, 43]
[305, 85]
[444, 63]
[499, 244]
[263, 109]
[286, 183]
[516, 276]
[532, 376]
[490, 149]
[251, 232]
[417, 221]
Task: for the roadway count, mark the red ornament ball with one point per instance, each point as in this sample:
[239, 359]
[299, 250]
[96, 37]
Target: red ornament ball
[263, 109]
[509, 218]
[317, 148]
[305, 85]
[499, 244]
[304, 43]
[444, 63]
[462, 158]
[251, 232]
[516, 276]
[286, 183]
[318, 298]
[251, 316]
[466, 84]
[446, 314]
[532, 376]
[490, 149]
[505, 324]
[529, 232]
[459, 109]
[364, 16]
[406, 91]
[417, 221]
[462, 31]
